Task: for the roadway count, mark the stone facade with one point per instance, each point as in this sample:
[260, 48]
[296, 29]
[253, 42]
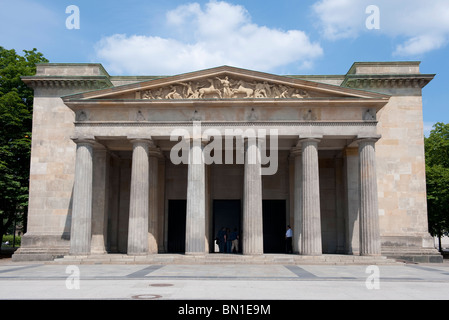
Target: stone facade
[345, 162]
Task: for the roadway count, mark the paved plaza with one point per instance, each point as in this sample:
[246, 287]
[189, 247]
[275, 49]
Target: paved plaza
[49, 281]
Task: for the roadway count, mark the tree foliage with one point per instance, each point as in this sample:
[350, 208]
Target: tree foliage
[437, 179]
[16, 112]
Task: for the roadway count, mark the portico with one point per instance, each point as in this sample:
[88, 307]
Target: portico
[157, 162]
[200, 143]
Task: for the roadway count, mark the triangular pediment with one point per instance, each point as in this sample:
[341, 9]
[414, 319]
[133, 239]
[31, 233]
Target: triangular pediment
[225, 83]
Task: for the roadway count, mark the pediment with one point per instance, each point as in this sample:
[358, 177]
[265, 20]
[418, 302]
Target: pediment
[225, 83]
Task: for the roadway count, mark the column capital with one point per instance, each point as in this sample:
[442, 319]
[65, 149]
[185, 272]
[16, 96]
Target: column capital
[155, 152]
[204, 141]
[371, 138]
[148, 141]
[91, 142]
[306, 138]
[296, 151]
[84, 140]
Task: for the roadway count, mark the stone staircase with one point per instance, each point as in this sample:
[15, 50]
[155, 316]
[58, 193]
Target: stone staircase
[215, 258]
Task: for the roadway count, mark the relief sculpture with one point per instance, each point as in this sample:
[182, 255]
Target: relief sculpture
[224, 88]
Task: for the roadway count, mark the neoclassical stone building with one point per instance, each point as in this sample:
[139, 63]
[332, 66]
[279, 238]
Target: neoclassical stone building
[154, 165]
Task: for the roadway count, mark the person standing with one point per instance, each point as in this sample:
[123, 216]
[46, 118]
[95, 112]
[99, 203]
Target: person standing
[228, 240]
[235, 241]
[221, 236]
[289, 240]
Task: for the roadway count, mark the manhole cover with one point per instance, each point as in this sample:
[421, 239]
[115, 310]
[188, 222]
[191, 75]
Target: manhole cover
[146, 296]
[160, 285]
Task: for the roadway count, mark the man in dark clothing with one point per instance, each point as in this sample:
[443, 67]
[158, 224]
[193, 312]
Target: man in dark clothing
[221, 236]
[234, 237]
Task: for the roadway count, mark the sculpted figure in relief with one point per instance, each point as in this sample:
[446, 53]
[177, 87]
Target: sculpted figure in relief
[147, 95]
[210, 90]
[227, 91]
[242, 89]
[260, 91]
[173, 94]
[189, 91]
[230, 88]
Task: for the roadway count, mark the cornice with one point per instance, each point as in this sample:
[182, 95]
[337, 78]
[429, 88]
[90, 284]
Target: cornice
[369, 123]
[361, 81]
[75, 82]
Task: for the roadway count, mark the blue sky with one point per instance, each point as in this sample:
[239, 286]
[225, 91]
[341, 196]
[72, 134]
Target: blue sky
[283, 37]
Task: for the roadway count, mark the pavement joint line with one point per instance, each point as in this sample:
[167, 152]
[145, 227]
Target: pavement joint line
[300, 272]
[145, 271]
[321, 279]
[20, 268]
[428, 269]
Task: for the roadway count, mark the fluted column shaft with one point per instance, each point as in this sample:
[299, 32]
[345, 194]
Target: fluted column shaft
[252, 199]
[297, 182]
[196, 199]
[139, 204]
[310, 199]
[369, 213]
[154, 155]
[81, 228]
[100, 187]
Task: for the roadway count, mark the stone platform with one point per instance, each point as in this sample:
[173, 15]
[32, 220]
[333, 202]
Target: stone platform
[281, 259]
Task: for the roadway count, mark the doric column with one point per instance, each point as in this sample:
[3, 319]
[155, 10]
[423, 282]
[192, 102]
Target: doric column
[154, 156]
[252, 199]
[196, 199]
[297, 182]
[80, 235]
[161, 205]
[138, 207]
[352, 221]
[310, 190]
[369, 213]
[100, 210]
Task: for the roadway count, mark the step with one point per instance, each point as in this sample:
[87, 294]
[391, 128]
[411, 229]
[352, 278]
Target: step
[164, 259]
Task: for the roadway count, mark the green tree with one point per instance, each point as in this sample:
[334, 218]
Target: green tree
[16, 112]
[437, 180]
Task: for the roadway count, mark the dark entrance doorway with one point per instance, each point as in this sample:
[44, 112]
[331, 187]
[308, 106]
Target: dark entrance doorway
[227, 215]
[176, 226]
[274, 226]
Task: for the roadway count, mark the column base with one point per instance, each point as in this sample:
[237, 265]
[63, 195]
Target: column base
[42, 247]
[415, 248]
[137, 254]
[202, 254]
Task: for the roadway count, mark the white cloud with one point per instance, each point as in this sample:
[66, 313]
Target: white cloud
[427, 127]
[218, 34]
[424, 24]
